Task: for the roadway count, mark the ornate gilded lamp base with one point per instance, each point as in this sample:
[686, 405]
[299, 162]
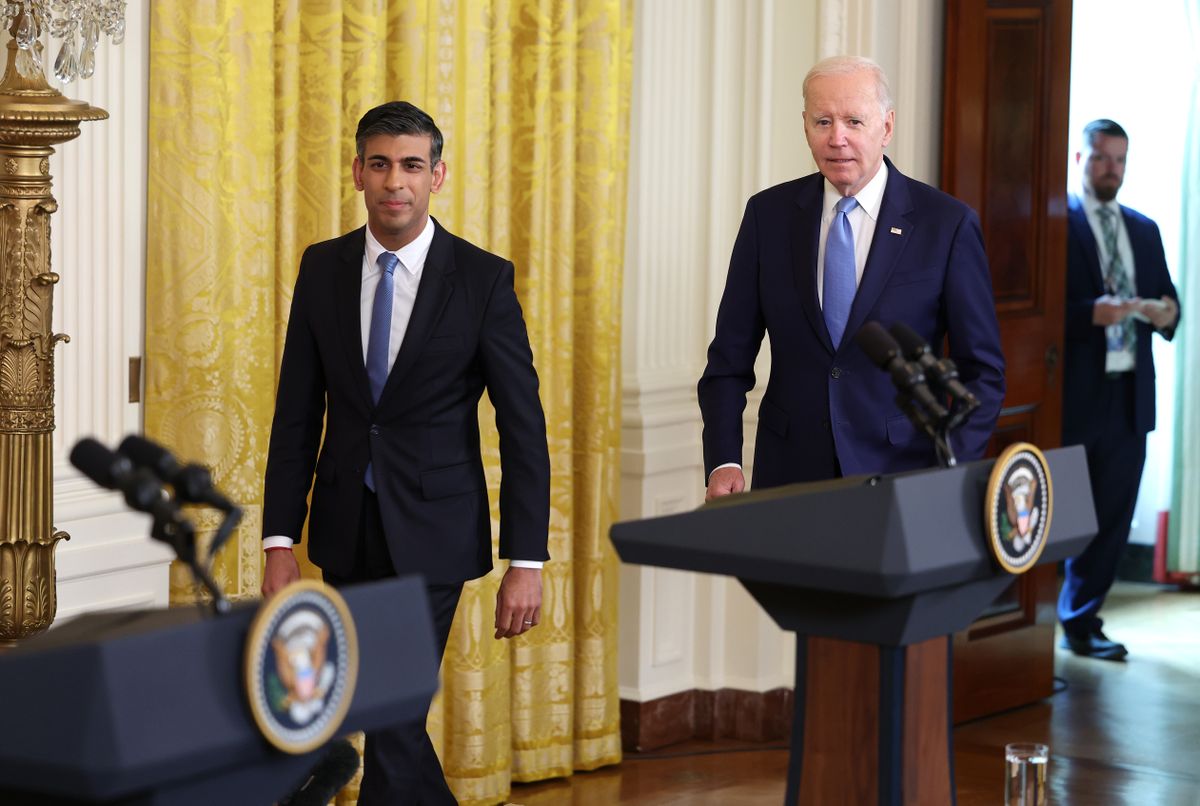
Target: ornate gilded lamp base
[33, 117]
[27, 596]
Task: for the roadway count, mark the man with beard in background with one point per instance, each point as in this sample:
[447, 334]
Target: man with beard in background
[1119, 293]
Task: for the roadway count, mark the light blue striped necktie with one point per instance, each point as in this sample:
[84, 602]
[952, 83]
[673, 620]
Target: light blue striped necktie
[839, 284]
[380, 336]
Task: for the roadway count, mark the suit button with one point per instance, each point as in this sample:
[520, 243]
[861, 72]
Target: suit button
[835, 373]
[374, 430]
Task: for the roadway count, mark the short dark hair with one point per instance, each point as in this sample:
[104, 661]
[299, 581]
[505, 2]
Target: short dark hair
[397, 118]
[1103, 126]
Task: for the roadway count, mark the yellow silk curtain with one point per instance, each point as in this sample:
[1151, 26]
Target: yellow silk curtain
[253, 106]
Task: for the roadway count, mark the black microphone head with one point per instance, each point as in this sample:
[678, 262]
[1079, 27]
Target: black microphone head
[144, 453]
[335, 769]
[142, 490]
[910, 341]
[878, 344]
[98, 463]
[193, 483]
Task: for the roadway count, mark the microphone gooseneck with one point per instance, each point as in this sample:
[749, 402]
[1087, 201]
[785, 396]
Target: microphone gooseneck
[940, 371]
[192, 483]
[883, 350]
[138, 471]
[914, 369]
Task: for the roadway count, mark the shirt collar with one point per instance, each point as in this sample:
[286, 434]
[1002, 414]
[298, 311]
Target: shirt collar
[412, 255]
[870, 198]
[1092, 205]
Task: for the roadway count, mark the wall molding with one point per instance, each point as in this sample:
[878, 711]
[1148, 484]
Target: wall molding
[715, 107]
[727, 713]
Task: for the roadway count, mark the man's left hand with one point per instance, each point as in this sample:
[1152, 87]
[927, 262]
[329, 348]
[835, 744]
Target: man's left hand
[1160, 312]
[519, 601]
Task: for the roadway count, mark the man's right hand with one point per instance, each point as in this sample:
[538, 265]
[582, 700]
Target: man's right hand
[279, 571]
[723, 481]
[1109, 310]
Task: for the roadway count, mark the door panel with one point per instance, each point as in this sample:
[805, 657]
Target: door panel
[1005, 153]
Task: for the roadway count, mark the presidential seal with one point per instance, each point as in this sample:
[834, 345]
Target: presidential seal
[1017, 507]
[301, 664]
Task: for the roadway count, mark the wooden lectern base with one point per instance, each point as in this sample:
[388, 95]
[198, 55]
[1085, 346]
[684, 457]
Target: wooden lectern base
[873, 725]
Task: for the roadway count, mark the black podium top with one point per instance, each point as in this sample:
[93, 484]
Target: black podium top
[113, 704]
[861, 539]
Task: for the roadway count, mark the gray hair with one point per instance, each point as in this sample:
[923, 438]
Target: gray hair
[845, 65]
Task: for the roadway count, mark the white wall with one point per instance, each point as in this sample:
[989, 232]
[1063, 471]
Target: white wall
[716, 117]
[98, 248]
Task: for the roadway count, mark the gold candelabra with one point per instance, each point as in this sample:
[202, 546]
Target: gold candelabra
[33, 117]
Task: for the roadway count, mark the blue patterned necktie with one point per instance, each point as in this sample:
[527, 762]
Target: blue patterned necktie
[839, 285]
[379, 337]
[1122, 335]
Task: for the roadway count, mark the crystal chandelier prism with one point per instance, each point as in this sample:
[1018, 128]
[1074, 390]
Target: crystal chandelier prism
[78, 24]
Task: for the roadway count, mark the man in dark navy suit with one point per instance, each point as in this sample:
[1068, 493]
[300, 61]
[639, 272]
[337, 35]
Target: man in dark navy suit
[1119, 294]
[815, 259]
[396, 329]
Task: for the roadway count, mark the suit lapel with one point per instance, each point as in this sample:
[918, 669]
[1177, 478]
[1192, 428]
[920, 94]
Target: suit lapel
[806, 231]
[347, 301]
[893, 230]
[1078, 222]
[437, 283]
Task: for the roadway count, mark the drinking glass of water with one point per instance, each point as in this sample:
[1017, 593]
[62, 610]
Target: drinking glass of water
[1025, 774]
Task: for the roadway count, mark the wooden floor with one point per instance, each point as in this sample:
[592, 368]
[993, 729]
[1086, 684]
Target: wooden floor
[1120, 734]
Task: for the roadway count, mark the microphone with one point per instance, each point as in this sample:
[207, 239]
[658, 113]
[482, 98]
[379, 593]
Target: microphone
[113, 471]
[335, 769]
[941, 371]
[99, 464]
[192, 483]
[144, 492]
[884, 352]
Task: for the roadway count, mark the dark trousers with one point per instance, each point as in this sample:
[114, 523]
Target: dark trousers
[1115, 456]
[400, 767]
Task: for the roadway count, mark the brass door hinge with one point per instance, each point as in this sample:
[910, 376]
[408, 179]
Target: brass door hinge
[135, 379]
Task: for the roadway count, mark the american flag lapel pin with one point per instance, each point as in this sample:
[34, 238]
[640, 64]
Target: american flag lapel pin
[897, 231]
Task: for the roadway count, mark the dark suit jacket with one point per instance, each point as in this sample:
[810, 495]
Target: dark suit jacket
[466, 333]
[1085, 344]
[926, 268]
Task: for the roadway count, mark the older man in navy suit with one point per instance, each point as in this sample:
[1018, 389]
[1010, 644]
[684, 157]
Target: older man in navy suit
[815, 259]
[1119, 294]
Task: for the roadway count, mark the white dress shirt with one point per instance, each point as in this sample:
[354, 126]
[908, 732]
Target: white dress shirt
[862, 222]
[406, 279]
[1120, 360]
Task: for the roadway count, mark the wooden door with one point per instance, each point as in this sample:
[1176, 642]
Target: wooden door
[1005, 141]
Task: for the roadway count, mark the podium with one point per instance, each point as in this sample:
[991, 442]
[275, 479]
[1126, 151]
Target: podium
[147, 708]
[874, 575]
